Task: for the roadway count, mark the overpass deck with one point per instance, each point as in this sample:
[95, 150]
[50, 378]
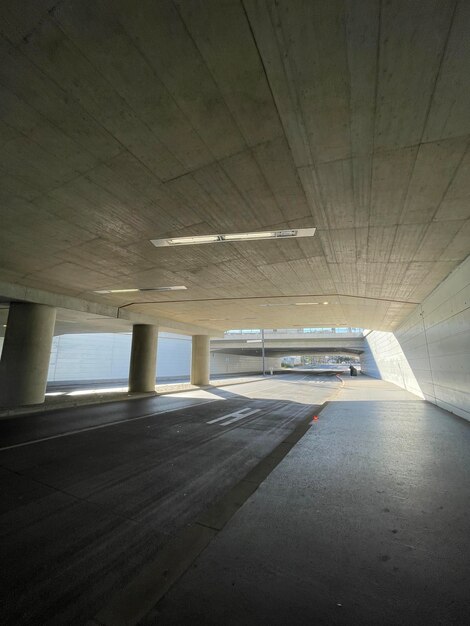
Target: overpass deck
[289, 343]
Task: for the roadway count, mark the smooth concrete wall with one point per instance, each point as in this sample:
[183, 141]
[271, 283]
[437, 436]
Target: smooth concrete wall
[174, 356]
[384, 358]
[90, 357]
[435, 339]
[436, 342]
[237, 364]
[105, 356]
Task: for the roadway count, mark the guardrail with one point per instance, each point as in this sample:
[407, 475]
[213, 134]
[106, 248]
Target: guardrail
[281, 333]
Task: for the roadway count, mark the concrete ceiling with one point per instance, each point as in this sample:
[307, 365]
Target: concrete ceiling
[123, 121]
[72, 322]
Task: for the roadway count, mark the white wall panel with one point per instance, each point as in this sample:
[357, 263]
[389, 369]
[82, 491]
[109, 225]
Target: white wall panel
[237, 364]
[384, 358]
[105, 356]
[173, 356]
[94, 356]
[435, 343]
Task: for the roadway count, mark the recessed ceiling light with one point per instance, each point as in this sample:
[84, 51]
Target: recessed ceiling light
[268, 234]
[325, 303]
[115, 290]
[185, 241]
[214, 319]
[231, 237]
[172, 288]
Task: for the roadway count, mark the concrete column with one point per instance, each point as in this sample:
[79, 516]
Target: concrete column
[143, 366]
[200, 363]
[26, 353]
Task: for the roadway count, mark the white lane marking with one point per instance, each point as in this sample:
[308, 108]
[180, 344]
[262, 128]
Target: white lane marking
[134, 419]
[99, 426]
[235, 419]
[237, 415]
[219, 419]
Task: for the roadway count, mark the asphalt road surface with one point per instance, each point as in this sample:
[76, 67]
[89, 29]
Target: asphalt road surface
[91, 494]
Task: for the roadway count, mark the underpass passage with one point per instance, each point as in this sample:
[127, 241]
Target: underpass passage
[364, 522]
[84, 512]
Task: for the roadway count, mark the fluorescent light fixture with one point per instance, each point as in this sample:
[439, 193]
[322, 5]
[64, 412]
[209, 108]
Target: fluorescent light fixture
[292, 304]
[247, 236]
[116, 290]
[188, 241]
[324, 325]
[253, 340]
[280, 304]
[172, 288]
[233, 237]
[214, 319]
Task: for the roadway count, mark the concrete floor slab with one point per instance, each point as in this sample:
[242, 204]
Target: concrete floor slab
[85, 513]
[365, 521]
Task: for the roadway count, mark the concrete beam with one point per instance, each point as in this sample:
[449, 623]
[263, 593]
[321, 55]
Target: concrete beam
[279, 352]
[15, 292]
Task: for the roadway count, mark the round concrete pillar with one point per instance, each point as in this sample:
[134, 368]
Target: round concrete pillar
[143, 366]
[200, 363]
[26, 353]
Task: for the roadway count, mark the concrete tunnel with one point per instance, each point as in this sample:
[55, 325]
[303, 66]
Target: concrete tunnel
[179, 182]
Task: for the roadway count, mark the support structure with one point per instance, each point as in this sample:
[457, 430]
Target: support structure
[200, 360]
[26, 354]
[143, 364]
[262, 352]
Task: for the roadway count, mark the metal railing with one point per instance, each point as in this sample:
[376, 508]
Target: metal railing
[323, 331]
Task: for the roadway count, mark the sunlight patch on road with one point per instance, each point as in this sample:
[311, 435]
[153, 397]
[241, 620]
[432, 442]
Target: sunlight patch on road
[84, 392]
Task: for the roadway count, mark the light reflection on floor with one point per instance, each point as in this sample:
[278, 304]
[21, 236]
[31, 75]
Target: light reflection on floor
[84, 392]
